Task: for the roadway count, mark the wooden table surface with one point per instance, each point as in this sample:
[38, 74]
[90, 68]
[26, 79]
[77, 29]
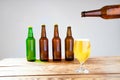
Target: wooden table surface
[101, 68]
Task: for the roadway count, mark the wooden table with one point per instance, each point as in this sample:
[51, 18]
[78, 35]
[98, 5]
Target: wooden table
[101, 68]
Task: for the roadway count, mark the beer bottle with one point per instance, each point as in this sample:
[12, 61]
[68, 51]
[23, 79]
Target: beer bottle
[30, 46]
[69, 43]
[56, 45]
[43, 45]
[106, 12]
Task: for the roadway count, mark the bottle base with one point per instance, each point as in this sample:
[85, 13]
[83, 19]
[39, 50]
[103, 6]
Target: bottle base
[44, 60]
[56, 59]
[69, 59]
[31, 60]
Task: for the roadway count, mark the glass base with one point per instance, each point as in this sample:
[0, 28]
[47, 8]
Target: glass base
[82, 70]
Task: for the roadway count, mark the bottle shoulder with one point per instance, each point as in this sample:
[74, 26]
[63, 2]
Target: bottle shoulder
[56, 38]
[69, 37]
[30, 38]
[43, 38]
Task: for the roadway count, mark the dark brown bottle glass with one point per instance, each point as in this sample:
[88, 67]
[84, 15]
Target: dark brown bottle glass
[106, 12]
[56, 45]
[69, 43]
[43, 45]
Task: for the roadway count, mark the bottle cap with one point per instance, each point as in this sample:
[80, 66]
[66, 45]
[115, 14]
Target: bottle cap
[43, 25]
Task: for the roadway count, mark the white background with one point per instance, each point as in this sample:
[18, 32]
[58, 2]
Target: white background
[17, 15]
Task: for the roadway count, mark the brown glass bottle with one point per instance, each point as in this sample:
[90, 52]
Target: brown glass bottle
[69, 43]
[43, 45]
[56, 45]
[107, 12]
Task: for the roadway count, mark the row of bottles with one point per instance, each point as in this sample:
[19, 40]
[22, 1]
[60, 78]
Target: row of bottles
[44, 47]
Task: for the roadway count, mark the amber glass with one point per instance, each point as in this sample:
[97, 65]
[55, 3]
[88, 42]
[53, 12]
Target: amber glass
[106, 12]
[56, 45]
[69, 43]
[43, 45]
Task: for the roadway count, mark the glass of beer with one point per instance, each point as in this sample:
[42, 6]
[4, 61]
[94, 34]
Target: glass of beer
[82, 50]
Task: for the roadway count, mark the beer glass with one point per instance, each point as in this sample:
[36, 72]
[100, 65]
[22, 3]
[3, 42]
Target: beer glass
[82, 50]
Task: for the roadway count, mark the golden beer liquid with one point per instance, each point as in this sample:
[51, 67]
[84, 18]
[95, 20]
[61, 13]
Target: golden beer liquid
[82, 50]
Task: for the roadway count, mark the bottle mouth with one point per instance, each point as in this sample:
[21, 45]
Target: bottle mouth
[83, 14]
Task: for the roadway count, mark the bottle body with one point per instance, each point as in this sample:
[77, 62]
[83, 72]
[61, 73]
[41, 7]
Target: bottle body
[56, 45]
[43, 45]
[30, 46]
[44, 49]
[106, 12]
[69, 43]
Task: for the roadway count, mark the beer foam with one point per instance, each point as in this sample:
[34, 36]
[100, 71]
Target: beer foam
[82, 39]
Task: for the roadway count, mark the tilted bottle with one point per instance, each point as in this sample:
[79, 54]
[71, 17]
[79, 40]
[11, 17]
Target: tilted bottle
[30, 46]
[106, 12]
[56, 45]
[69, 43]
[43, 45]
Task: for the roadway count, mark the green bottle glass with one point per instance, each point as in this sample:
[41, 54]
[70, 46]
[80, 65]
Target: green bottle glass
[30, 46]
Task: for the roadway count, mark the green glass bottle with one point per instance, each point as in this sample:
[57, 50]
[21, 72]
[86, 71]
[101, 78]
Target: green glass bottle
[30, 46]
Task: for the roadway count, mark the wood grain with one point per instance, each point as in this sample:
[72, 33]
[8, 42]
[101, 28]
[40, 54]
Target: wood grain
[101, 68]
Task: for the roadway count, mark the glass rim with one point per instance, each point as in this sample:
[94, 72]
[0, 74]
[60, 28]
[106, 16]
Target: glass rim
[84, 39]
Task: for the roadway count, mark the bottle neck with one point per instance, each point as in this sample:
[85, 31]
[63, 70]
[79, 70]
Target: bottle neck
[30, 32]
[56, 33]
[92, 13]
[69, 32]
[43, 31]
